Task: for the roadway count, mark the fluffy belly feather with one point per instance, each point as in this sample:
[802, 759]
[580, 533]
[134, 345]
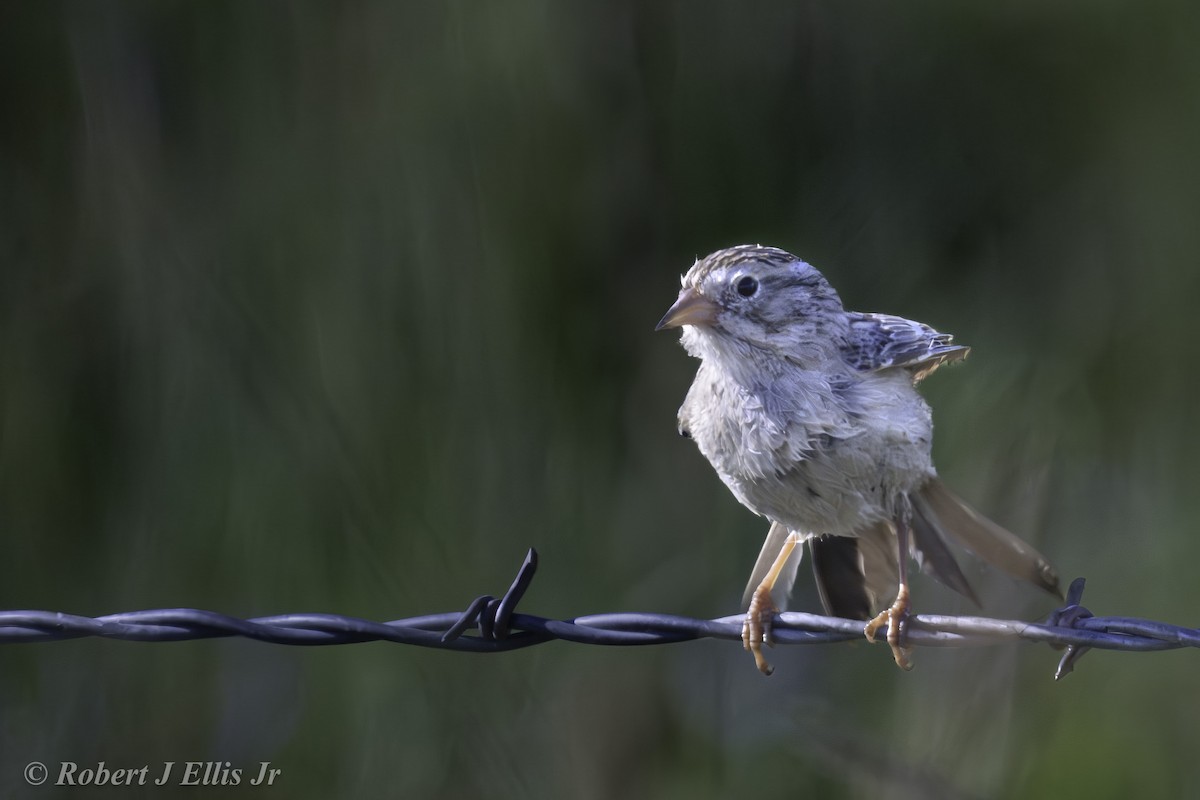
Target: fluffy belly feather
[842, 473]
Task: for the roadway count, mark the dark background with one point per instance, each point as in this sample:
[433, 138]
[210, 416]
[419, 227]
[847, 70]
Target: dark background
[316, 307]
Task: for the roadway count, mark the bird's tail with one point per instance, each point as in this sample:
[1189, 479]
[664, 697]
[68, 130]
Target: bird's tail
[857, 575]
[939, 516]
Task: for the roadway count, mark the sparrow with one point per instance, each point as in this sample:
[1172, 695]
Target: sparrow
[810, 415]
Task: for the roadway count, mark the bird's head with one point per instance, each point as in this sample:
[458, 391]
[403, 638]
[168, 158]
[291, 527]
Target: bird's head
[755, 296]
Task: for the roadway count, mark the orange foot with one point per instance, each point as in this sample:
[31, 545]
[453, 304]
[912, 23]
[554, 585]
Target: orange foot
[756, 630]
[894, 617]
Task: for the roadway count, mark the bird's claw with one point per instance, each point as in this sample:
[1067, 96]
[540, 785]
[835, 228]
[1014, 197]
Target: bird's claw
[895, 618]
[756, 629]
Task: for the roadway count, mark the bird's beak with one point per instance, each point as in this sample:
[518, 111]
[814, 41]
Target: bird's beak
[692, 308]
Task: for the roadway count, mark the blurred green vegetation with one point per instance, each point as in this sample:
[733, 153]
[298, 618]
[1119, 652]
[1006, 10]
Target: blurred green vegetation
[339, 307]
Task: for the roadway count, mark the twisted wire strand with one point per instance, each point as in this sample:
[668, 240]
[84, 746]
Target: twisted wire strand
[500, 628]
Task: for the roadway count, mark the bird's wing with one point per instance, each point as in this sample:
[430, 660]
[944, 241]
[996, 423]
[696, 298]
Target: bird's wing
[948, 518]
[880, 341]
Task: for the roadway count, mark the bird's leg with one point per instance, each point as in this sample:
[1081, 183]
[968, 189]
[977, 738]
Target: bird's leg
[756, 630]
[898, 612]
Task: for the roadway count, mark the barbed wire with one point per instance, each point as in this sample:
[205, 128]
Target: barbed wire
[500, 628]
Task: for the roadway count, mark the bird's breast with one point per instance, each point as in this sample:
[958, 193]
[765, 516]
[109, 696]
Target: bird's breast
[816, 455]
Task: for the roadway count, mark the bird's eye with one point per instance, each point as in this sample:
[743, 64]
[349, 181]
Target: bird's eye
[747, 286]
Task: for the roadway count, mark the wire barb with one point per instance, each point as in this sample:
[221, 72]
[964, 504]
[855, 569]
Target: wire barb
[493, 617]
[500, 628]
[1068, 616]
